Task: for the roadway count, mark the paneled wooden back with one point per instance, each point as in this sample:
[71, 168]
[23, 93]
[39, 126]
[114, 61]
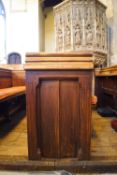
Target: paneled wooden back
[5, 78]
[18, 73]
[18, 78]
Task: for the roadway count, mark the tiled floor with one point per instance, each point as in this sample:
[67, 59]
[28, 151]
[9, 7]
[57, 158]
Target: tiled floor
[13, 146]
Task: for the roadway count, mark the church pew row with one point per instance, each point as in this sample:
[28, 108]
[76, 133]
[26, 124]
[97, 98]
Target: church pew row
[106, 87]
[12, 90]
[106, 91]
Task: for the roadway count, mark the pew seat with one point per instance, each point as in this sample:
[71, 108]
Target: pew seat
[10, 92]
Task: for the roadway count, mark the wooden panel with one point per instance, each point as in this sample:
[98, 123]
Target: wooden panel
[106, 87]
[32, 119]
[69, 102]
[59, 114]
[59, 105]
[18, 73]
[85, 117]
[49, 107]
[5, 78]
[110, 82]
[18, 78]
[106, 91]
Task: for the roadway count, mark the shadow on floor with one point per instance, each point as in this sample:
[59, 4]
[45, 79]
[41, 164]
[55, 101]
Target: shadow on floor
[7, 125]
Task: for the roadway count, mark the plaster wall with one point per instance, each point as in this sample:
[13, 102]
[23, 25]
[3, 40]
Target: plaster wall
[22, 27]
[49, 31]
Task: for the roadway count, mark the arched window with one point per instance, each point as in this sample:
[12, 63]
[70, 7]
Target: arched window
[2, 32]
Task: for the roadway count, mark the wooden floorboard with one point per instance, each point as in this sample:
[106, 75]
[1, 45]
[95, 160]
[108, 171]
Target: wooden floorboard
[104, 140]
[14, 153]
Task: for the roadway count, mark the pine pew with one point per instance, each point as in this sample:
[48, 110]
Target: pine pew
[12, 90]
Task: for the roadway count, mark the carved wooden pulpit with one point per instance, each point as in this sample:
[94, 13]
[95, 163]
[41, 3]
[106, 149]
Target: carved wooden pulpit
[59, 105]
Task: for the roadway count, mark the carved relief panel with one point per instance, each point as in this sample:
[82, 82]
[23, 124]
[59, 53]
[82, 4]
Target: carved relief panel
[82, 26]
[77, 27]
[59, 31]
[67, 27]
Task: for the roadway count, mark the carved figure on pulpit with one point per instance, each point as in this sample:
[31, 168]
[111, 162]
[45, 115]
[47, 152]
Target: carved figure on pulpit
[89, 35]
[60, 39]
[78, 37]
[67, 36]
[103, 39]
[98, 36]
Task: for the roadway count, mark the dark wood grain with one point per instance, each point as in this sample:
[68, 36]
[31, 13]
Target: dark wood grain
[5, 78]
[17, 73]
[106, 88]
[49, 118]
[59, 107]
[55, 117]
[18, 78]
[69, 127]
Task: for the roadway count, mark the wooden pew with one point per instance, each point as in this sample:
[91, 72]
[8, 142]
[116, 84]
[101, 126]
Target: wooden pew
[106, 87]
[5, 78]
[12, 89]
[18, 73]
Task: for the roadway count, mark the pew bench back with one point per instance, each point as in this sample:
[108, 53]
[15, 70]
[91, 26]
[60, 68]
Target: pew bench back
[12, 90]
[16, 72]
[5, 78]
